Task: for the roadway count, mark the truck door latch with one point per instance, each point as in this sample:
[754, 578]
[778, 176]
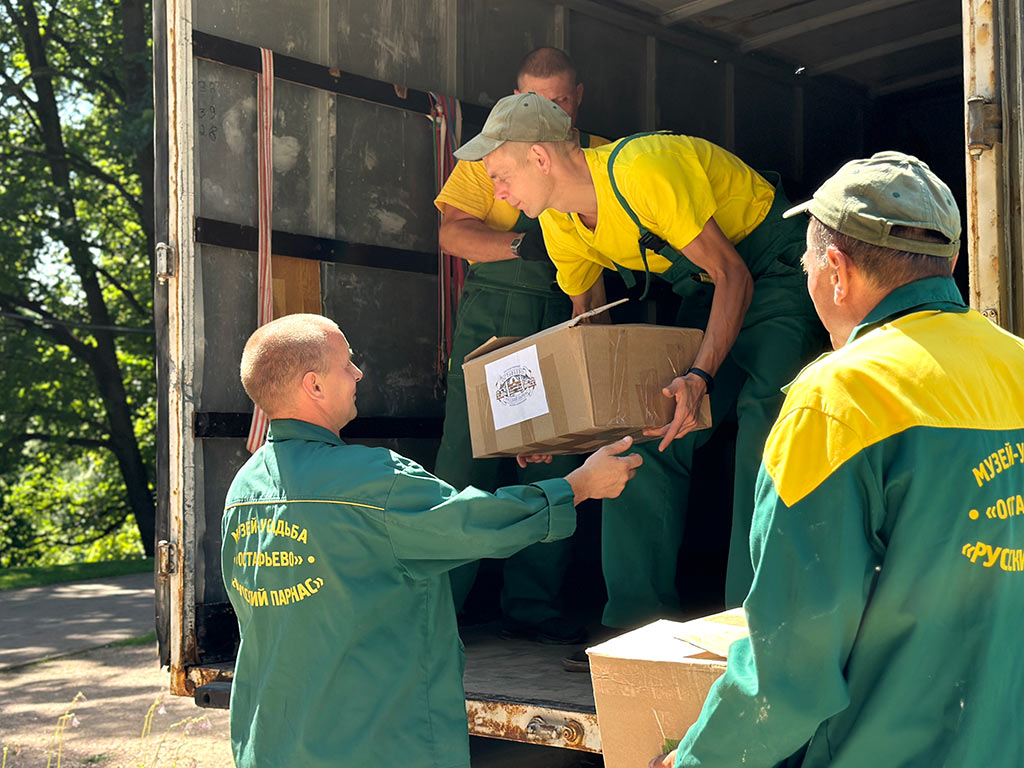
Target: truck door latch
[164, 262]
[984, 125]
[166, 562]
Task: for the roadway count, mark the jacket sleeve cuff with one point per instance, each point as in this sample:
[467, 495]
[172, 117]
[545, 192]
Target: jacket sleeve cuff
[561, 510]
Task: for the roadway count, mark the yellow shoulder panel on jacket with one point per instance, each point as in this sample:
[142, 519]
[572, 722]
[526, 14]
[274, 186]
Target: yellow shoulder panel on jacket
[926, 369]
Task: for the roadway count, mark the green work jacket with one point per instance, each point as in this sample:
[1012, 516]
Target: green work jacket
[336, 561]
[887, 539]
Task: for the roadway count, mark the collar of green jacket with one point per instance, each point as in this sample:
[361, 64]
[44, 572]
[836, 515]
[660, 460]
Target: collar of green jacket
[929, 293]
[294, 429]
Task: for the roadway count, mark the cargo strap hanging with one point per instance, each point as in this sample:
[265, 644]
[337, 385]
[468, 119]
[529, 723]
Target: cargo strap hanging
[446, 116]
[265, 182]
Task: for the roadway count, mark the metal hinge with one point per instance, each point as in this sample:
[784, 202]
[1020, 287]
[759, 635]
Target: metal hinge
[166, 562]
[164, 262]
[984, 125]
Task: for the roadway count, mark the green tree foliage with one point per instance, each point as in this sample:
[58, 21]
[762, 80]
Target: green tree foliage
[77, 383]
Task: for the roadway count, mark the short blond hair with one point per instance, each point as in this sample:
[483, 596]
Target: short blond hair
[280, 353]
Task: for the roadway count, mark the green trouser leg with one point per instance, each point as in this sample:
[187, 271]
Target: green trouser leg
[642, 530]
[512, 298]
[770, 353]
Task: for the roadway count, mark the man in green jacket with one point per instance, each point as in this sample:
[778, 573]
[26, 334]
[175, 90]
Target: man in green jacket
[889, 565]
[336, 560]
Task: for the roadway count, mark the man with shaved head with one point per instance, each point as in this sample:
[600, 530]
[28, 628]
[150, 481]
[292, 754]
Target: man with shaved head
[336, 559]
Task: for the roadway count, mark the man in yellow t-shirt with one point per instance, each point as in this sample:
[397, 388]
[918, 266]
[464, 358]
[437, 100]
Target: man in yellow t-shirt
[510, 291]
[699, 217]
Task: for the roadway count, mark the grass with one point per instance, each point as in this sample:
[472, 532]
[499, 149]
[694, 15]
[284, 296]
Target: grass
[147, 639]
[35, 576]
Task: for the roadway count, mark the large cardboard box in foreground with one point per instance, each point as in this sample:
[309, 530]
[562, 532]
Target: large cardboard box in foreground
[650, 684]
[574, 387]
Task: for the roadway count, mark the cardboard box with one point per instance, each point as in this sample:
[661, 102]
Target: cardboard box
[650, 684]
[574, 387]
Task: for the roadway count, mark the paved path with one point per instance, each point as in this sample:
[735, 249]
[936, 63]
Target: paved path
[41, 622]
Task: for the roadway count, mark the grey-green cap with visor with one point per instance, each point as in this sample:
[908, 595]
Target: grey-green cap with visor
[865, 199]
[524, 117]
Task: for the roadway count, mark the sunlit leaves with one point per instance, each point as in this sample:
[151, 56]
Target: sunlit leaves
[59, 481]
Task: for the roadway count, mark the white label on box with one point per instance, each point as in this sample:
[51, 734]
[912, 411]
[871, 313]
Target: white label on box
[516, 388]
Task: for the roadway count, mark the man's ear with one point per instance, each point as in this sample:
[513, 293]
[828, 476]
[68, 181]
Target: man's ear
[579, 95]
[311, 385]
[840, 273]
[540, 156]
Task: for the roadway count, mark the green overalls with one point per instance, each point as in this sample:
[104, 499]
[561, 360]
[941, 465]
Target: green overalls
[642, 529]
[505, 298]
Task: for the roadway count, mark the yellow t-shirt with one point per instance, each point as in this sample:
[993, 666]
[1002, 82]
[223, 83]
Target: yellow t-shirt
[674, 184]
[470, 189]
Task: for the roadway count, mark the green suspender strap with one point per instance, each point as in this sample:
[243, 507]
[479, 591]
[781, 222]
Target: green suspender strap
[648, 240]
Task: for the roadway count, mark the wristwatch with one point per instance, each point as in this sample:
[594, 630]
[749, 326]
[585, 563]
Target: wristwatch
[516, 243]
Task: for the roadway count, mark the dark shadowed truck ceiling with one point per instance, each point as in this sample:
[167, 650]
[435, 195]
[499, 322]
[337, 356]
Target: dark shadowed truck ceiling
[886, 46]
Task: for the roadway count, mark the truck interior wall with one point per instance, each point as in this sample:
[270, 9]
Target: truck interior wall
[928, 123]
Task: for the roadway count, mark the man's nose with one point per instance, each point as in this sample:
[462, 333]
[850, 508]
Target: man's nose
[500, 191]
[359, 372]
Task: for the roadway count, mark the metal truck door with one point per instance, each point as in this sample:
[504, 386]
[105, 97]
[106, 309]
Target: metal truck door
[993, 77]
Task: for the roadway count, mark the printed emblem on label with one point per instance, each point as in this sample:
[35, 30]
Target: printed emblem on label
[516, 388]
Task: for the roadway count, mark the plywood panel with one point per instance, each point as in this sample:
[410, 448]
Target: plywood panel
[296, 286]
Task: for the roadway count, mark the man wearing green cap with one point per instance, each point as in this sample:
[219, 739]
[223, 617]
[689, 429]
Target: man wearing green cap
[711, 226]
[510, 291]
[885, 611]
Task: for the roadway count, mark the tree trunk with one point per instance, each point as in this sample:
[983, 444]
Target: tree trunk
[103, 361]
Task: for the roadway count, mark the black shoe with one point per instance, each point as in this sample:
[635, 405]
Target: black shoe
[556, 631]
[577, 662]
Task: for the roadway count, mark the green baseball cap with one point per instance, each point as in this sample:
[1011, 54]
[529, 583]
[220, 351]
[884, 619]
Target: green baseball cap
[523, 117]
[865, 199]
